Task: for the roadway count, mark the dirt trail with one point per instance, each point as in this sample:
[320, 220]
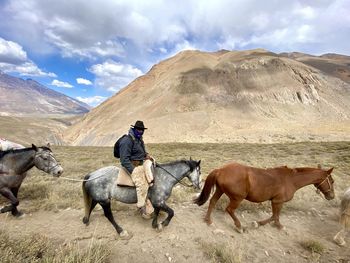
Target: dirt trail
[187, 236]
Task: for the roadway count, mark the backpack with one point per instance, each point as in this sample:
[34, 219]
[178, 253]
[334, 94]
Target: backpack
[116, 152]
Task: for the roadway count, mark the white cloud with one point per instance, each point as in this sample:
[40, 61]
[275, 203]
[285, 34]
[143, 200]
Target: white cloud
[113, 76]
[11, 52]
[142, 32]
[61, 84]
[84, 81]
[92, 101]
[13, 59]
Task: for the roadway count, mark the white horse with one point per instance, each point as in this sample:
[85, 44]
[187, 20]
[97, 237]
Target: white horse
[8, 145]
[339, 238]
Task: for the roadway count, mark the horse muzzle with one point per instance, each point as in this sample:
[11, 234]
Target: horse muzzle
[57, 172]
[329, 196]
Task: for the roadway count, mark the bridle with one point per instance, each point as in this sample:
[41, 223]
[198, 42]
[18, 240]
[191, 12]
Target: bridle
[329, 185]
[179, 181]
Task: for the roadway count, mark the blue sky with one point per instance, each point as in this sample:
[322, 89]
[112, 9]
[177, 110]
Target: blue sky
[91, 49]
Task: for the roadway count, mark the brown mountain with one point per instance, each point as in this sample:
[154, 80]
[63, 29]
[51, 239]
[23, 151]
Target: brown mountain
[236, 96]
[28, 97]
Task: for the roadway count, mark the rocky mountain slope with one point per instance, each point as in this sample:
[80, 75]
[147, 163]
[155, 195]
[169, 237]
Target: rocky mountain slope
[236, 96]
[28, 97]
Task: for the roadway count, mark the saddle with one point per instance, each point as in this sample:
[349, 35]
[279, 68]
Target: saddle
[124, 178]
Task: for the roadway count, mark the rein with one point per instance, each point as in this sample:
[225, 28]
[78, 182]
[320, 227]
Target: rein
[184, 184]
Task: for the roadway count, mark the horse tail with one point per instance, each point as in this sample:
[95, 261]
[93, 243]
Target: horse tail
[87, 201]
[208, 185]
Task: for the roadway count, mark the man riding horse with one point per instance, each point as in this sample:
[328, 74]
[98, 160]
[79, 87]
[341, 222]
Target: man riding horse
[135, 159]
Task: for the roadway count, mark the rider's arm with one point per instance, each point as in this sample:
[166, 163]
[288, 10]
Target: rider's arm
[125, 148]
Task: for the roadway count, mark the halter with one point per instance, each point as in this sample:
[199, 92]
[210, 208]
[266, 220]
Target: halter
[184, 184]
[329, 185]
[49, 168]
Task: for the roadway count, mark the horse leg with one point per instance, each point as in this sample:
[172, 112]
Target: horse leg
[218, 193]
[170, 213]
[276, 209]
[108, 213]
[9, 195]
[155, 218]
[14, 211]
[87, 217]
[230, 209]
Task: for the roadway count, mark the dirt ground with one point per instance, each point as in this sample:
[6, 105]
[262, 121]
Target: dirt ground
[53, 208]
[187, 238]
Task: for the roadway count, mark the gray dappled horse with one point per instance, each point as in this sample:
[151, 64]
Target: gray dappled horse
[166, 176]
[13, 167]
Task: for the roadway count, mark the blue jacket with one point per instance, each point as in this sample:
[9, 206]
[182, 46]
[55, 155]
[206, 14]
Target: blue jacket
[131, 149]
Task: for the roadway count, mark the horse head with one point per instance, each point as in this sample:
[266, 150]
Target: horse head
[45, 161]
[195, 173]
[326, 184]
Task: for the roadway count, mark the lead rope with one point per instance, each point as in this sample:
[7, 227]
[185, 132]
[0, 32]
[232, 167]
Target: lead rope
[80, 180]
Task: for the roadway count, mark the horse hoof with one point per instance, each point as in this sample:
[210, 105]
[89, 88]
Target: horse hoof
[20, 215]
[159, 227]
[339, 241]
[209, 222]
[86, 221]
[124, 235]
[255, 224]
[239, 230]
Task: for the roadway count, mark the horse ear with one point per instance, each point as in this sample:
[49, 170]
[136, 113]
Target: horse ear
[319, 166]
[330, 170]
[48, 145]
[34, 147]
[199, 162]
[190, 158]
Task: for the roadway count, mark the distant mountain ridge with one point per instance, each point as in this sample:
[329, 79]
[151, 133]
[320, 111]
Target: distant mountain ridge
[228, 96]
[28, 97]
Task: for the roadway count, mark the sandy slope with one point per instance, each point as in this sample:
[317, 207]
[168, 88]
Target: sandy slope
[187, 235]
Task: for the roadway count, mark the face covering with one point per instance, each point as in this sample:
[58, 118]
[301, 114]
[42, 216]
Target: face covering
[138, 134]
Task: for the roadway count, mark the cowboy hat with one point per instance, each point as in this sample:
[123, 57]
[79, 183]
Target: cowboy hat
[139, 125]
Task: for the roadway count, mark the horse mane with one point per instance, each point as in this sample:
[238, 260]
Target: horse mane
[190, 163]
[3, 153]
[305, 169]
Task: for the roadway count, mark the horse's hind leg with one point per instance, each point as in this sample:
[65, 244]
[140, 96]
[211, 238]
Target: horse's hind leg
[108, 213]
[216, 196]
[230, 209]
[86, 218]
[13, 199]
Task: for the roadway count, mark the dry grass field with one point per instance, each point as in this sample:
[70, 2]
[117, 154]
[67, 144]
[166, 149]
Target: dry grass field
[51, 230]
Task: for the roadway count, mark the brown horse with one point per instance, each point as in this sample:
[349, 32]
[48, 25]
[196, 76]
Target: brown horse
[278, 184]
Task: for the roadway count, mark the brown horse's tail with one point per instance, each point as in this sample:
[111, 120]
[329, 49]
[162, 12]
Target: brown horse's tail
[208, 185]
[87, 202]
